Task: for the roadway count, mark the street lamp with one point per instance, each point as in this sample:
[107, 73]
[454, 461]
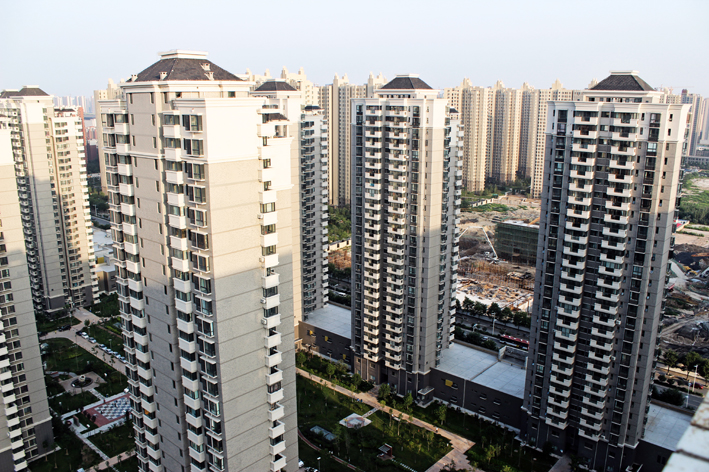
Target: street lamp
[493, 324]
[318, 464]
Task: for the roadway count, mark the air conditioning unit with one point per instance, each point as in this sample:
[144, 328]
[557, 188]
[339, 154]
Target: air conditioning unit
[260, 216]
[264, 321]
[263, 300]
[617, 322]
[262, 259]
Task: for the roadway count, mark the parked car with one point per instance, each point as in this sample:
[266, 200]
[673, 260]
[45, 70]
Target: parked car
[64, 328]
[92, 340]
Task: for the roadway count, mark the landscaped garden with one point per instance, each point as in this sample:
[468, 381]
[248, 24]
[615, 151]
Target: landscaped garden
[116, 440]
[334, 372]
[46, 324]
[73, 454]
[107, 306]
[106, 337]
[69, 402]
[319, 406]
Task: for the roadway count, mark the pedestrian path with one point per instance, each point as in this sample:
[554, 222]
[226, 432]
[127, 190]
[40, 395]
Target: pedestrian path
[370, 412]
[112, 461]
[459, 443]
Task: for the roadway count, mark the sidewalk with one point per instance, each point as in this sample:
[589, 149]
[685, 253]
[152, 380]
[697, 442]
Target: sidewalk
[459, 443]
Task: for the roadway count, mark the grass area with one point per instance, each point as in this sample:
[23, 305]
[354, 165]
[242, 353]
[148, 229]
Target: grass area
[698, 228]
[45, 325]
[83, 419]
[690, 233]
[73, 454]
[339, 225]
[413, 446]
[103, 336]
[338, 375]
[116, 440]
[309, 456]
[69, 402]
[127, 465]
[491, 207]
[53, 387]
[107, 307]
[116, 382]
[485, 434]
[695, 202]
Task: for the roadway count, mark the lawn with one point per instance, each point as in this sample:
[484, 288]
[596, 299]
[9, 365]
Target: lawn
[103, 336]
[127, 465]
[116, 382]
[309, 456]
[491, 207]
[116, 440]
[73, 455]
[53, 387]
[318, 405]
[484, 433]
[45, 324]
[67, 402]
[107, 307]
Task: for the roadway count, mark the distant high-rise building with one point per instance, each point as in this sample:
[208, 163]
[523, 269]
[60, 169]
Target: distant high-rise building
[297, 80]
[533, 140]
[50, 166]
[26, 425]
[339, 95]
[476, 110]
[696, 124]
[406, 181]
[205, 199]
[612, 174]
[506, 134]
[111, 92]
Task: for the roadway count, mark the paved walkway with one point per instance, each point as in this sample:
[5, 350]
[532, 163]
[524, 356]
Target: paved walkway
[562, 465]
[459, 443]
[112, 461]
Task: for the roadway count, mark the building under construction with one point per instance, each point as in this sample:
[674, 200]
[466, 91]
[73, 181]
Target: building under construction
[516, 241]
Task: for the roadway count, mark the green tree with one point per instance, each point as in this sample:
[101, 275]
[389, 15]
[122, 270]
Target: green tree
[384, 392]
[518, 318]
[479, 309]
[492, 451]
[506, 314]
[670, 359]
[300, 358]
[356, 381]
[441, 414]
[494, 310]
[468, 304]
[330, 370]
[691, 361]
[408, 401]
[429, 438]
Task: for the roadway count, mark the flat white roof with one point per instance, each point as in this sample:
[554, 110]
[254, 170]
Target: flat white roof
[332, 318]
[665, 427]
[484, 369]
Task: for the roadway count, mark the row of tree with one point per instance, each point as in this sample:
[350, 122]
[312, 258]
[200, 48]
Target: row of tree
[517, 317]
[687, 362]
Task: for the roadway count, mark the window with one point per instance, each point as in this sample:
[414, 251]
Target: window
[194, 147]
[268, 229]
[197, 217]
[172, 143]
[170, 120]
[200, 263]
[268, 250]
[268, 207]
[192, 122]
[195, 171]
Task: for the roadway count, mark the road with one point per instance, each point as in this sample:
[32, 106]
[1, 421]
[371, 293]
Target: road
[468, 321]
[99, 220]
[693, 402]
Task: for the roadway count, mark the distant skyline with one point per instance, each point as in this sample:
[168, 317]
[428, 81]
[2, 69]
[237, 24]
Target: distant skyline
[74, 47]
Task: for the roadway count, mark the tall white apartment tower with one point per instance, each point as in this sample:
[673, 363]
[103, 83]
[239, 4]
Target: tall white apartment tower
[111, 92]
[506, 134]
[611, 179]
[338, 116]
[313, 186]
[203, 215]
[476, 110]
[406, 181]
[50, 166]
[25, 422]
[533, 142]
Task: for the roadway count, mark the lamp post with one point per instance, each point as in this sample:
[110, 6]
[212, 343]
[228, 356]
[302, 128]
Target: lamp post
[695, 376]
[493, 324]
[318, 464]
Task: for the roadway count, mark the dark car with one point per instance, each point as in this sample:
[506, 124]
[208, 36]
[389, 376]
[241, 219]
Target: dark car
[64, 328]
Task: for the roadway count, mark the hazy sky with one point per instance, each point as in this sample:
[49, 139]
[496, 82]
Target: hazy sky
[73, 47]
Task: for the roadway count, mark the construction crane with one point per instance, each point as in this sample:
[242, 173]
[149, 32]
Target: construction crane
[486, 237]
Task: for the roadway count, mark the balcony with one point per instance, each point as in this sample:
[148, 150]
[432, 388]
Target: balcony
[272, 340]
[274, 397]
[274, 359]
[274, 378]
[276, 414]
[617, 233]
[271, 321]
[278, 464]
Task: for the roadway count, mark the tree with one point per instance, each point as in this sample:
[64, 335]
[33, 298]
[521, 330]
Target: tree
[441, 413]
[468, 304]
[457, 305]
[401, 420]
[341, 367]
[300, 358]
[691, 361]
[494, 310]
[489, 344]
[330, 370]
[492, 451]
[506, 314]
[356, 381]
[479, 309]
[384, 392]
[518, 318]
[429, 438]
[408, 401]
[670, 358]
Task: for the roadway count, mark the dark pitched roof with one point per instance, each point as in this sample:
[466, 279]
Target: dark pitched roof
[312, 107]
[404, 82]
[625, 82]
[27, 91]
[453, 110]
[180, 68]
[275, 86]
[275, 117]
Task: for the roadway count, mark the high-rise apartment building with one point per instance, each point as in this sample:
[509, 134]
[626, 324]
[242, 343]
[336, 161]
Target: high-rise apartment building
[476, 110]
[407, 181]
[313, 175]
[533, 139]
[26, 425]
[340, 95]
[111, 92]
[696, 125]
[204, 197]
[50, 167]
[297, 80]
[612, 174]
[507, 126]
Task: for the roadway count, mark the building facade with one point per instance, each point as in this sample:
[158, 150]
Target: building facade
[111, 92]
[26, 425]
[406, 181]
[612, 174]
[203, 194]
[50, 167]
